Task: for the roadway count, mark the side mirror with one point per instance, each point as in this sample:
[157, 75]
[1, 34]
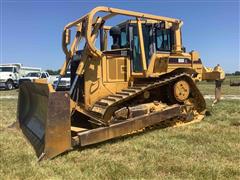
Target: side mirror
[67, 36]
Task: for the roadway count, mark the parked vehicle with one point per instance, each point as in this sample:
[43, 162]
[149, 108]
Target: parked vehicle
[234, 82]
[34, 75]
[25, 70]
[64, 83]
[10, 74]
[146, 79]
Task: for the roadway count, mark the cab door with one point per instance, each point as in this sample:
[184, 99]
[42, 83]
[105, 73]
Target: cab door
[147, 36]
[135, 48]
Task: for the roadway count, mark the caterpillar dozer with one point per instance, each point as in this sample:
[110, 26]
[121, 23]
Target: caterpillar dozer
[125, 78]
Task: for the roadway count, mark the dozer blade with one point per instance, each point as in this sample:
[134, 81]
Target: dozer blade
[44, 118]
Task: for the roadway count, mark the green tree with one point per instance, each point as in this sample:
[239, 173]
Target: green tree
[53, 72]
[237, 73]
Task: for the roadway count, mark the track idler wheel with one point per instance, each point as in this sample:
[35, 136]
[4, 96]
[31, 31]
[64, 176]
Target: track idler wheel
[181, 90]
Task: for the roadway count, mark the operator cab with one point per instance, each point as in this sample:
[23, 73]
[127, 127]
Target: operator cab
[157, 38]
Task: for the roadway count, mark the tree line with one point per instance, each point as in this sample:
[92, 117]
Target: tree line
[236, 73]
[53, 72]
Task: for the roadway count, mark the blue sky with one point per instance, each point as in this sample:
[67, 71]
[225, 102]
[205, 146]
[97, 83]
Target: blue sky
[31, 30]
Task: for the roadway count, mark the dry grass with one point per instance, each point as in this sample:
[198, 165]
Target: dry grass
[8, 93]
[206, 150]
[207, 88]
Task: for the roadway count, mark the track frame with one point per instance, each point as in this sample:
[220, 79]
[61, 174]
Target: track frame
[101, 134]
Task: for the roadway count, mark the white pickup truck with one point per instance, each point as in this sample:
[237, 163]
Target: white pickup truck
[34, 75]
[64, 83]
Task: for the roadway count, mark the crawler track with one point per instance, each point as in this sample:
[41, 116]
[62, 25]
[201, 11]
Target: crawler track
[105, 107]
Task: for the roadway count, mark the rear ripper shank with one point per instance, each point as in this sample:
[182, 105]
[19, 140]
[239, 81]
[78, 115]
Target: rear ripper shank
[145, 77]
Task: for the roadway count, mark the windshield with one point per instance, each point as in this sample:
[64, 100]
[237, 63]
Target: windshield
[120, 38]
[33, 74]
[163, 39]
[6, 69]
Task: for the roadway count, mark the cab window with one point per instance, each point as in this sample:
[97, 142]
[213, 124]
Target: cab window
[119, 38]
[14, 70]
[163, 40]
[43, 75]
[6, 69]
[136, 56]
[123, 38]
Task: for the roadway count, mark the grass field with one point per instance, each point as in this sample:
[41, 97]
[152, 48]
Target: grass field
[207, 88]
[206, 150]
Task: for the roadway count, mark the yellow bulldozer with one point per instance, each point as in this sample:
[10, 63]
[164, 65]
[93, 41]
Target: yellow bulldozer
[125, 77]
